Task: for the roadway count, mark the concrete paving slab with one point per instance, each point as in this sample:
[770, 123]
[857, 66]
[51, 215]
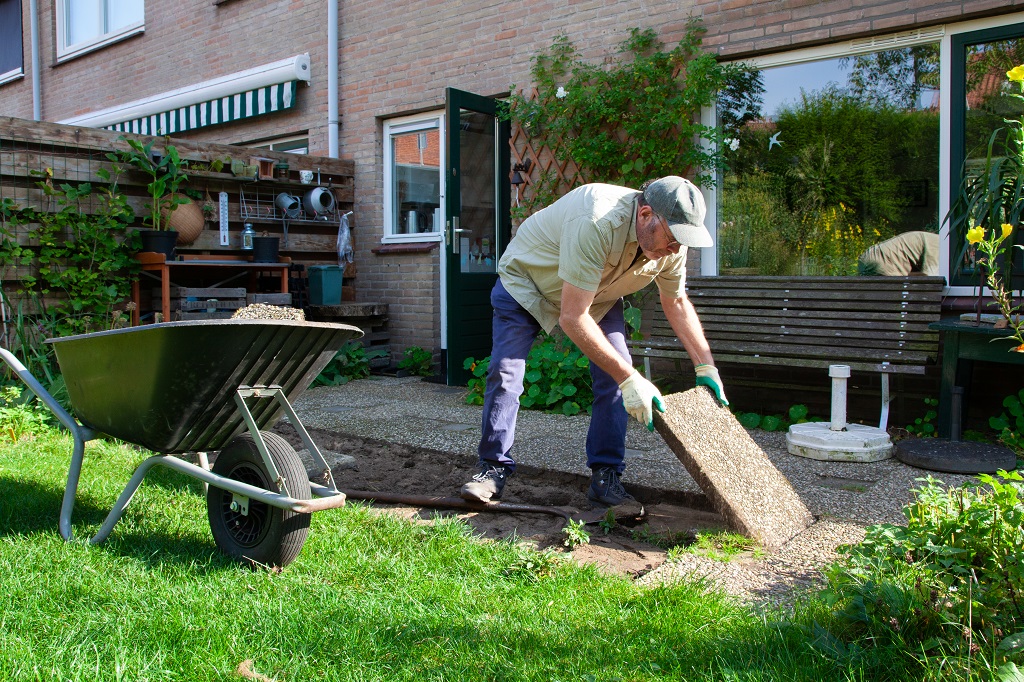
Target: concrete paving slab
[740, 481]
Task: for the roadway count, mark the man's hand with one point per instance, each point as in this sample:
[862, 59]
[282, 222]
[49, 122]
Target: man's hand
[638, 395]
[707, 375]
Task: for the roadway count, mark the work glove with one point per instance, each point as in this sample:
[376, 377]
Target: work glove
[707, 375]
[638, 396]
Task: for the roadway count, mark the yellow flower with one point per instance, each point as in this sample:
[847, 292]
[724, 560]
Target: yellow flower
[1007, 229]
[976, 234]
[1016, 73]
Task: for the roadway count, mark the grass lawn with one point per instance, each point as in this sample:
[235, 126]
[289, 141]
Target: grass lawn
[370, 597]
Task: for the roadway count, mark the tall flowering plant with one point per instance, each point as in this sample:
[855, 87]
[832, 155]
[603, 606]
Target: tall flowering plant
[991, 247]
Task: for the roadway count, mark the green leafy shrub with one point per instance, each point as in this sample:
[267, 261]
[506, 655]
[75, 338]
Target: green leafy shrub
[798, 414]
[923, 426]
[417, 361]
[20, 417]
[591, 114]
[952, 579]
[351, 362]
[1010, 427]
[557, 377]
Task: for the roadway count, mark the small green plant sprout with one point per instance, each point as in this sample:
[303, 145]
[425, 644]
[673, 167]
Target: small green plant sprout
[417, 361]
[531, 566]
[608, 523]
[923, 426]
[575, 534]
[1010, 427]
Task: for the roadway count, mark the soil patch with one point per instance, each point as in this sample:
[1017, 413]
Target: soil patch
[630, 550]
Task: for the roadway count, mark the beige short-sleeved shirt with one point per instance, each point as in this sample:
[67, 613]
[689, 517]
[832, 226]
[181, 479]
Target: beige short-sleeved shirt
[588, 239]
[910, 252]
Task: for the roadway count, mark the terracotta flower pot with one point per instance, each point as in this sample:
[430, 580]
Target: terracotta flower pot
[188, 220]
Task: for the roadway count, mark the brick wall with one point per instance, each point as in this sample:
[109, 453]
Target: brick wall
[205, 41]
[398, 59]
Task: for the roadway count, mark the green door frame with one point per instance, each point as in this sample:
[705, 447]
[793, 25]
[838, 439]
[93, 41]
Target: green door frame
[472, 120]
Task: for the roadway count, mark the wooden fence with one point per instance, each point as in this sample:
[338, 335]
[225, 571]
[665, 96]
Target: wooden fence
[74, 155]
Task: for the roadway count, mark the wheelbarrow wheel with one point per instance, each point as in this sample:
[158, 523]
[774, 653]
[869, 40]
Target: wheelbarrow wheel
[266, 535]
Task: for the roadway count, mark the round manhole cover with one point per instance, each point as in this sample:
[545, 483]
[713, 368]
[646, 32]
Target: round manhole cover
[962, 457]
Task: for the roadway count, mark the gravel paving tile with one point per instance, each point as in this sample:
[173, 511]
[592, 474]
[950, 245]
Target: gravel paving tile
[843, 497]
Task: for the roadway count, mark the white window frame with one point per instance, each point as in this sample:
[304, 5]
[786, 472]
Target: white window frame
[65, 51]
[944, 35]
[282, 144]
[410, 124]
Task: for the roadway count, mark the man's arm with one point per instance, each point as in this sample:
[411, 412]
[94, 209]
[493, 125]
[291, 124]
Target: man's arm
[578, 324]
[686, 325]
[639, 396]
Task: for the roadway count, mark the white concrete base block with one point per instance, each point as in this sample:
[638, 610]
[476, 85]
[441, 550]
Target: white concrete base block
[858, 443]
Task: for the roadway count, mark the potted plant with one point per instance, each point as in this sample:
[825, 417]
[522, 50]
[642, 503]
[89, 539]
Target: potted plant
[165, 173]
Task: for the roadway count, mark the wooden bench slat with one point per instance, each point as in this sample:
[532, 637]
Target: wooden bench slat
[851, 282]
[910, 332]
[841, 316]
[823, 297]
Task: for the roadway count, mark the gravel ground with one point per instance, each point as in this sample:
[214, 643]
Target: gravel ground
[843, 497]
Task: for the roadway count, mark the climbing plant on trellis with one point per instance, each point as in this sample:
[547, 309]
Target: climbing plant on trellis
[635, 119]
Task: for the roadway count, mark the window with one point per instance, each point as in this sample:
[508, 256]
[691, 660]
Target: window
[982, 101]
[826, 158]
[83, 25]
[292, 145]
[11, 52]
[413, 179]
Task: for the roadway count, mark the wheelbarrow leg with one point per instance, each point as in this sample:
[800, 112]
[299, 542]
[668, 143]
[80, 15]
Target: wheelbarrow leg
[80, 433]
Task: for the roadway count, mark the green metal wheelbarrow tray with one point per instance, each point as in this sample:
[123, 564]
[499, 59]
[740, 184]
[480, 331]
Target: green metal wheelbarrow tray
[201, 387]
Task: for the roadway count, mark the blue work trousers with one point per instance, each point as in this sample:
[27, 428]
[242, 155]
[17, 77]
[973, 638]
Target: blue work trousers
[514, 331]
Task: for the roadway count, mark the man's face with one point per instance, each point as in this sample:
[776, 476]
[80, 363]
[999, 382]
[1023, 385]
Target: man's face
[653, 235]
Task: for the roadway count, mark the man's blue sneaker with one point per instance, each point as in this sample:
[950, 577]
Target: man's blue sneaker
[606, 488]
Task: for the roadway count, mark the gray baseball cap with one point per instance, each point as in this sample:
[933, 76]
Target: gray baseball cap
[681, 204]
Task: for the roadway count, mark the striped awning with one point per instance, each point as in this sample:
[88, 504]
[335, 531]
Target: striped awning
[237, 107]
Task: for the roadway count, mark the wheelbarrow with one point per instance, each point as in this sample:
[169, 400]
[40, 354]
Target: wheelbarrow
[200, 387]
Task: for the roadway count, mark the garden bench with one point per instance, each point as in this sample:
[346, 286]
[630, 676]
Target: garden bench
[872, 324]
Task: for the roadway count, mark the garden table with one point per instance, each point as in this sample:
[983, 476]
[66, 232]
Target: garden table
[223, 267]
[963, 343]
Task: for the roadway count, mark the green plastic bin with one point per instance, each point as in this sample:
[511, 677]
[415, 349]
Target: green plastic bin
[325, 284]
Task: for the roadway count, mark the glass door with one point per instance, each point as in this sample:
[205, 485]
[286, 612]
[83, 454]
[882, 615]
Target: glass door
[478, 223]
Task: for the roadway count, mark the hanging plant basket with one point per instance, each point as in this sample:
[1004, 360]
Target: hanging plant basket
[188, 220]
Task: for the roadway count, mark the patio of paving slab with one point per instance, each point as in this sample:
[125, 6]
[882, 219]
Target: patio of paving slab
[415, 412]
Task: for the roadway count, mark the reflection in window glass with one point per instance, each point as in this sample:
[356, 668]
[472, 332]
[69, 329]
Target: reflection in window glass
[991, 99]
[826, 159]
[415, 175]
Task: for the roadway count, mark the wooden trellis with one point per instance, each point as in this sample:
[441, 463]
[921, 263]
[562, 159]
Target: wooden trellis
[546, 172]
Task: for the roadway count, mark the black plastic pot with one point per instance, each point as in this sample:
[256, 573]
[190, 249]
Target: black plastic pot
[264, 249]
[159, 241]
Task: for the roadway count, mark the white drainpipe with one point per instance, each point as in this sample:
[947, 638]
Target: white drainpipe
[332, 78]
[37, 104]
